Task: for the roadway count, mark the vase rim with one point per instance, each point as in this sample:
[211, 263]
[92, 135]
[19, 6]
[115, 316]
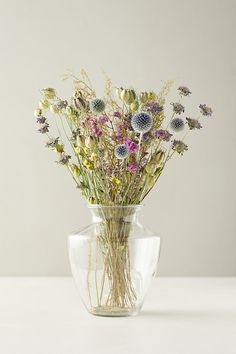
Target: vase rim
[95, 206]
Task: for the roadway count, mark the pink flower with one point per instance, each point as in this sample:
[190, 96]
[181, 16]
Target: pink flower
[103, 119]
[161, 134]
[85, 119]
[133, 166]
[116, 114]
[132, 146]
[94, 127]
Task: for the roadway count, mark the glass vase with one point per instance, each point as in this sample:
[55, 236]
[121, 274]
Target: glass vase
[114, 260]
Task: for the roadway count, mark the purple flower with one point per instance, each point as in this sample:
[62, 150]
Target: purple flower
[132, 146]
[205, 111]
[117, 114]
[179, 146]
[119, 131]
[51, 143]
[184, 91]
[161, 134]
[85, 119]
[44, 128]
[153, 107]
[193, 123]
[63, 160]
[177, 107]
[103, 119]
[41, 120]
[133, 166]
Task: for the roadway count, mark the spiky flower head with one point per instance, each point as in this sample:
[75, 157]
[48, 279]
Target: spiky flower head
[184, 91]
[141, 122]
[193, 123]
[179, 146]
[205, 111]
[178, 107]
[97, 105]
[121, 151]
[177, 124]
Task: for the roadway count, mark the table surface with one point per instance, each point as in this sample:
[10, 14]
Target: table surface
[180, 315]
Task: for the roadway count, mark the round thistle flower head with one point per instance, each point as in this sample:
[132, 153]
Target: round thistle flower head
[97, 105]
[121, 151]
[177, 124]
[141, 122]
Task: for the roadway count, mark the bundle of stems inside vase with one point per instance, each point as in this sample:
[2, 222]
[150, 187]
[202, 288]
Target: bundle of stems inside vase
[115, 148]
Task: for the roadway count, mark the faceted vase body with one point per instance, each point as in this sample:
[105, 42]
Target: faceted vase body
[113, 261]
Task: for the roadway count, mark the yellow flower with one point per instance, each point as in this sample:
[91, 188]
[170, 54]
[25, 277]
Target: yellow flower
[75, 169]
[151, 95]
[86, 150]
[54, 109]
[150, 181]
[48, 92]
[79, 141]
[91, 200]
[115, 180]
[71, 112]
[78, 150]
[159, 157]
[93, 157]
[150, 168]
[59, 148]
[88, 164]
[43, 104]
[38, 112]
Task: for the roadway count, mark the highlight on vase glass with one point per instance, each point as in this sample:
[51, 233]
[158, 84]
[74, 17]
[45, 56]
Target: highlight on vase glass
[115, 148]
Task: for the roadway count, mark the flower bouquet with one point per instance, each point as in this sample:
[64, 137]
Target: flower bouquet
[115, 148]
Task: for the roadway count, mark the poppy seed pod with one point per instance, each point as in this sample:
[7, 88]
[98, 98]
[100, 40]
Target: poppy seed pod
[118, 92]
[134, 106]
[143, 97]
[128, 96]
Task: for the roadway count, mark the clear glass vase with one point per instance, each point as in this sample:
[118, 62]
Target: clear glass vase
[114, 260]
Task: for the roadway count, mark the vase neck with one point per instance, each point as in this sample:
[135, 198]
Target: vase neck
[127, 213]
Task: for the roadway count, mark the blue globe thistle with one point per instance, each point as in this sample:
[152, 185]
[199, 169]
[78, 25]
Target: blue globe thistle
[121, 151]
[177, 124]
[141, 122]
[97, 105]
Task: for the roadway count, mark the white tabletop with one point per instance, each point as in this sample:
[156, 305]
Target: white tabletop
[180, 316]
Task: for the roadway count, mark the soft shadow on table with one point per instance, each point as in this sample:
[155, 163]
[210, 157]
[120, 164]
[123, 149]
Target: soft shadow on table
[185, 314]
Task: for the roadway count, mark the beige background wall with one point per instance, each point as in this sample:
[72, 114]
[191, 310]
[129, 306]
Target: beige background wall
[139, 43]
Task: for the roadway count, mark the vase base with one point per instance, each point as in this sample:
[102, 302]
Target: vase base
[110, 311]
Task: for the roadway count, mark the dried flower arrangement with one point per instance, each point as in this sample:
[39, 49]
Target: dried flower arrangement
[121, 145]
